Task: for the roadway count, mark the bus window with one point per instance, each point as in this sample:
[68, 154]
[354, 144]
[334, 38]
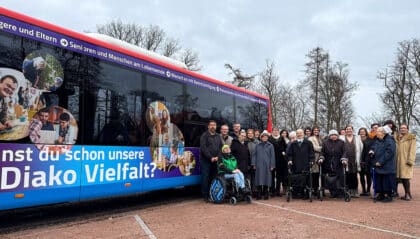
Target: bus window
[117, 105]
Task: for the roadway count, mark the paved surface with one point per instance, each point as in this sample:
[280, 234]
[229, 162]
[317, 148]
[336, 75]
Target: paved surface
[189, 217]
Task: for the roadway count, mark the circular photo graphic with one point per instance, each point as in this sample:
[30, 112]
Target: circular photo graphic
[17, 102]
[186, 163]
[167, 141]
[43, 71]
[158, 118]
[53, 125]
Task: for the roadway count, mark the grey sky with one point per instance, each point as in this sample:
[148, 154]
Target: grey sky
[245, 33]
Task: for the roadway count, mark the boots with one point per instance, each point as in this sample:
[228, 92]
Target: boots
[266, 193]
[260, 188]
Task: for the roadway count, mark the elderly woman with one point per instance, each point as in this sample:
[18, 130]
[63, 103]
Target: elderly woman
[383, 159]
[263, 162]
[406, 156]
[331, 160]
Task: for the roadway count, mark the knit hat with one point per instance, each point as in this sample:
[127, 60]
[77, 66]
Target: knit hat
[225, 146]
[333, 132]
[265, 132]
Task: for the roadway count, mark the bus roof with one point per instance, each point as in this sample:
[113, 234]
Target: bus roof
[124, 50]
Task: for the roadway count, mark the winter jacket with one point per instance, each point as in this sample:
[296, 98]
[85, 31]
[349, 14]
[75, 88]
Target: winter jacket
[263, 158]
[384, 153]
[333, 152]
[210, 146]
[365, 160]
[241, 153]
[226, 164]
[301, 155]
[279, 149]
[406, 155]
[252, 143]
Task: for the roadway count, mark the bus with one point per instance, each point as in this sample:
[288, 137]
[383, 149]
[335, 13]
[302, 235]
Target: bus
[85, 117]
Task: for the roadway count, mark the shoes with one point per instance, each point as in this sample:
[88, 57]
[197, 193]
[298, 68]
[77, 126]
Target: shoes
[395, 195]
[387, 199]
[365, 194]
[406, 198]
[380, 197]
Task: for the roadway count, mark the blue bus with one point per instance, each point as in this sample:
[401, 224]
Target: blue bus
[86, 117]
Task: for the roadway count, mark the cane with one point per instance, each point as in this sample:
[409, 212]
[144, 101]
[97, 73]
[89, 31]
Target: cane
[320, 188]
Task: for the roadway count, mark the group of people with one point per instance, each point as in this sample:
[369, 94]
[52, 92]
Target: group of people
[43, 131]
[385, 154]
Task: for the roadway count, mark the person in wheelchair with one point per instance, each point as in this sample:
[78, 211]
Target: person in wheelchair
[228, 167]
[331, 160]
[301, 153]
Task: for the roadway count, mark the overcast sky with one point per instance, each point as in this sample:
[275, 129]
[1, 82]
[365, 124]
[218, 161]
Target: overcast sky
[245, 33]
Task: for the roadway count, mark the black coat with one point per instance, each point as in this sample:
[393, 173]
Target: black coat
[333, 152]
[210, 146]
[279, 148]
[301, 155]
[365, 160]
[241, 153]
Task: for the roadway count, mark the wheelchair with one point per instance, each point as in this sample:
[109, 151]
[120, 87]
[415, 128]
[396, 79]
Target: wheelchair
[222, 189]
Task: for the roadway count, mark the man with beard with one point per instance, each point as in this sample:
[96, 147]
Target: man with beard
[301, 154]
[210, 145]
[8, 85]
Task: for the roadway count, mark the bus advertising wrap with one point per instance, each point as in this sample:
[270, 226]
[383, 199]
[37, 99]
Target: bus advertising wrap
[52, 38]
[25, 167]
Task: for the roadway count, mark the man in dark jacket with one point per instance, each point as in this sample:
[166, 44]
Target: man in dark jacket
[383, 153]
[300, 155]
[281, 163]
[210, 145]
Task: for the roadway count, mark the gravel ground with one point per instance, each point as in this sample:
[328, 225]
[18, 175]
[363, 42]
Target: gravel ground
[189, 217]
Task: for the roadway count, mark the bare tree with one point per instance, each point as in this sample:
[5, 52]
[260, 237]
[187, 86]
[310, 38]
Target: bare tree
[375, 117]
[402, 84]
[191, 60]
[315, 72]
[171, 47]
[335, 92]
[239, 79]
[152, 38]
[129, 32]
[269, 82]
[293, 109]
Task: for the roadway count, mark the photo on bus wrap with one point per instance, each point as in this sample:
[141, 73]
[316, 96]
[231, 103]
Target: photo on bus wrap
[167, 144]
[17, 102]
[53, 125]
[43, 71]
